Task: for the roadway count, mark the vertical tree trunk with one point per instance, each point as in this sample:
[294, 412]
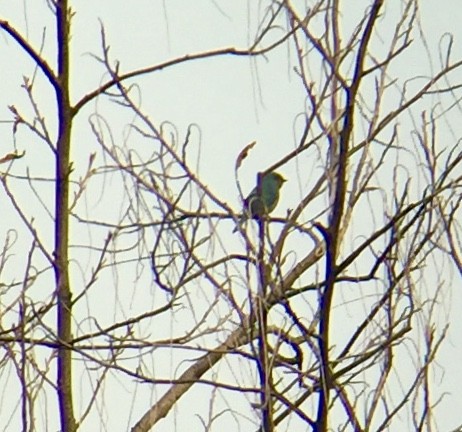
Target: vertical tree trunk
[63, 290]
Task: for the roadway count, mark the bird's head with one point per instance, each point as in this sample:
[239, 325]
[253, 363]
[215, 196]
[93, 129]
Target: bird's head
[277, 178]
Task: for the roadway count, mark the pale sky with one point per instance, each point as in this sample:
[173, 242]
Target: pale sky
[232, 101]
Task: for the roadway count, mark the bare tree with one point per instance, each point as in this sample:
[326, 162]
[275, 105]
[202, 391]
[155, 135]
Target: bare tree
[128, 285]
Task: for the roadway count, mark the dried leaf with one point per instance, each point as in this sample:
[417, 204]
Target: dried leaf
[11, 156]
[244, 153]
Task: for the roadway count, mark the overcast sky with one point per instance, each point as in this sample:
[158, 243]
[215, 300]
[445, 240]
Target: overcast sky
[232, 101]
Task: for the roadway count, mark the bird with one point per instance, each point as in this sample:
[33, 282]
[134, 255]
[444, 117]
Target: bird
[257, 205]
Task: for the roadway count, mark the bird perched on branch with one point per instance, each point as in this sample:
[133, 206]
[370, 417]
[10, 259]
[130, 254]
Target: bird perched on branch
[264, 201]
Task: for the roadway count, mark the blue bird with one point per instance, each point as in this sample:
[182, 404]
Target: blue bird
[256, 205]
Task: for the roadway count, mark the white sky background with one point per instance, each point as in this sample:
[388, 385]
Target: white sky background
[233, 101]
